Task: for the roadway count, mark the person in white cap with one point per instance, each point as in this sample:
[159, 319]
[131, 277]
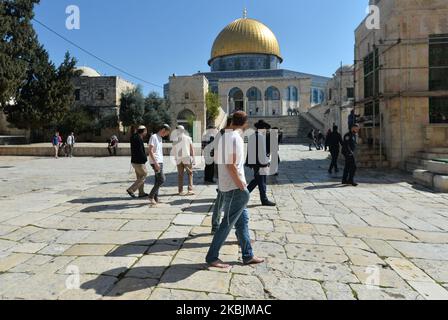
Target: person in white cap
[138, 161]
[184, 155]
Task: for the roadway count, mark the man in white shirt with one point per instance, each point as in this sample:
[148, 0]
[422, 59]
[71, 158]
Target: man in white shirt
[233, 186]
[156, 161]
[184, 155]
[71, 144]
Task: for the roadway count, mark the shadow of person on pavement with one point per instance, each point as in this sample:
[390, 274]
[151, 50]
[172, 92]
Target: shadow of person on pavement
[160, 246]
[141, 278]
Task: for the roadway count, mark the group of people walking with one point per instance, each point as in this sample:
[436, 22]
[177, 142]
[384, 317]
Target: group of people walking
[139, 159]
[58, 144]
[334, 141]
[229, 157]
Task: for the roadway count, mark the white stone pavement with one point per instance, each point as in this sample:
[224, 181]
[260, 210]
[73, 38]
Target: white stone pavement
[386, 239]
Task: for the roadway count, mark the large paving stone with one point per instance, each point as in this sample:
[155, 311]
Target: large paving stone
[313, 270]
[187, 278]
[361, 257]
[112, 266]
[247, 287]
[121, 237]
[381, 277]
[378, 233]
[292, 289]
[318, 253]
[150, 266]
[173, 294]
[422, 250]
[132, 289]
[430, 290]
[407, 270]
[367, 293]
[89, 250]
[438, 270]
[338, 291]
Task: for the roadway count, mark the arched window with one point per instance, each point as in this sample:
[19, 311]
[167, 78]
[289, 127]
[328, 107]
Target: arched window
[236, 100]
[272, 94]
[254, 94]
[292, 94]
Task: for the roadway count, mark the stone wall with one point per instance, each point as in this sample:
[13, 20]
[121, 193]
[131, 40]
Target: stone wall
[103, 95]
[404, 74]
[188, 94]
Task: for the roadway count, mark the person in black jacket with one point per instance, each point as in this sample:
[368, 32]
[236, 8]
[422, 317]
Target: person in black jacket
[334, 141]
[348, 150]
[256, 141]
[138, 161]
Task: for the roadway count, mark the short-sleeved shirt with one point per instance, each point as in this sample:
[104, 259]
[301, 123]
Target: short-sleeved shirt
[157, 142]
[231, 143]
[182, 149]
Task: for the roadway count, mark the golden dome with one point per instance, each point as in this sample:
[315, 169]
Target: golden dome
[245, 36]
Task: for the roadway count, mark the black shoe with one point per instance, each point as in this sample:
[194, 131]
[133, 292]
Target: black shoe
[144, 195]
[131, 194]
[268, 204]
[354, 184]
[345, 183]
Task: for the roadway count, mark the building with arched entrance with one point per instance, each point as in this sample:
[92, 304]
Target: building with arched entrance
[245, 73]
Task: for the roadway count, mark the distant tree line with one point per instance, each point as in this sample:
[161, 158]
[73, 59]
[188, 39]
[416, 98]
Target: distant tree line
[136, 109]
[37, 95]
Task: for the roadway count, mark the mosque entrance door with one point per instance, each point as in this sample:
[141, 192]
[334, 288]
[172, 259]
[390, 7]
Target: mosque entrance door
[236, 100]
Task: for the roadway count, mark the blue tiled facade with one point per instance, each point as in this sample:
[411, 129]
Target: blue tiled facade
[245, 62]
[318, 83]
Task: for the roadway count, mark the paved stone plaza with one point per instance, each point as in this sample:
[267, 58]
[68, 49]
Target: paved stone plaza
[386, 239]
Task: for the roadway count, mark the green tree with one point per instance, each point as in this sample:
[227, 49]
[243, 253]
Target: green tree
[156, 112]
[132, 107]
[18, 42]
[213, 106]
[78, 121]
[47, 94]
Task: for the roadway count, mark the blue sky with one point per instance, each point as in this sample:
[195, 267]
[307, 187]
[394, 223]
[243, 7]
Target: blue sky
[153, 39]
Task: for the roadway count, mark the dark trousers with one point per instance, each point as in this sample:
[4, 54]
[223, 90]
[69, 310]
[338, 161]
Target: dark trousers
[334, 159]
[260, 181]
[209, 172]
[349, 170]
[160, 180]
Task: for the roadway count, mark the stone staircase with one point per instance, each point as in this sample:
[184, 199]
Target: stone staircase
[293, 126]
[428, 171]
[421, 159]
[368, 156]
[12, 140]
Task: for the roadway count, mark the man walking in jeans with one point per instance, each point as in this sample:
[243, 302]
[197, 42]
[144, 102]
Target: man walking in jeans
[156, 161]
[232, 184]
[218, 207]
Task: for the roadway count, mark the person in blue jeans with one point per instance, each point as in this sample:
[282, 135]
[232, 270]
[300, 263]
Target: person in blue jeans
[234, 193]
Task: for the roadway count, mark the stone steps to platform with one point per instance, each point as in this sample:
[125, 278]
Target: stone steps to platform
[429, 173]
[431, 180]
